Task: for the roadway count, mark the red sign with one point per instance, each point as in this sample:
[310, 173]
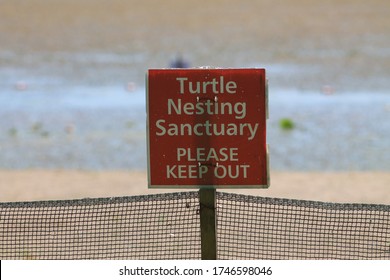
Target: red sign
[207, 128]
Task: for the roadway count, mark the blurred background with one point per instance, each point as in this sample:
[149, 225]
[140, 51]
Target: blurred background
[72, 77]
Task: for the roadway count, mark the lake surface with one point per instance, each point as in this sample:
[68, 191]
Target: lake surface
[72, 89]
[105, 128]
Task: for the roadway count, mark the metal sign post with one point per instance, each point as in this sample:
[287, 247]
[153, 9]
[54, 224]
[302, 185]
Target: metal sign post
[207, 130]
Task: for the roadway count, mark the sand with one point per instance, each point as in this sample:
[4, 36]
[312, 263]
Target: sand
[346, 187]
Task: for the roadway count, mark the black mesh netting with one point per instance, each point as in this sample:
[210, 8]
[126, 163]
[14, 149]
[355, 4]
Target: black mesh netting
[140, 227]
[167, 226]
[272, 228]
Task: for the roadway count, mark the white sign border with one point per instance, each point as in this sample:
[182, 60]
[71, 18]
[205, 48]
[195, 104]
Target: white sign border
[178, 186]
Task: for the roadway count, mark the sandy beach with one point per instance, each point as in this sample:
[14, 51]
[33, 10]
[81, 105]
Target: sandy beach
[345, 187]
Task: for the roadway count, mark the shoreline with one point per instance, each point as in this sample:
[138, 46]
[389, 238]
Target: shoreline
[369, 187]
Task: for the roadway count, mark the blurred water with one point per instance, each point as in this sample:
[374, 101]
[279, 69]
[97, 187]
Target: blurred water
[339, 132]
[66, 68]
[105, 128]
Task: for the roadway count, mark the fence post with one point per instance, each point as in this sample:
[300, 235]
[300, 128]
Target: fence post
[208, 223]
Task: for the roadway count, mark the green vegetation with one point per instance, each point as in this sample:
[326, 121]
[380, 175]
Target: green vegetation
[37, 128]
[286, 124]
[13, 132]
[130, 124]
[45, 134]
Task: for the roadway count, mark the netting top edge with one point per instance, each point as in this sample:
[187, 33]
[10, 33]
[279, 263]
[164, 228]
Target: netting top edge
[100, 201]
[195, 195]
[303, 203]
